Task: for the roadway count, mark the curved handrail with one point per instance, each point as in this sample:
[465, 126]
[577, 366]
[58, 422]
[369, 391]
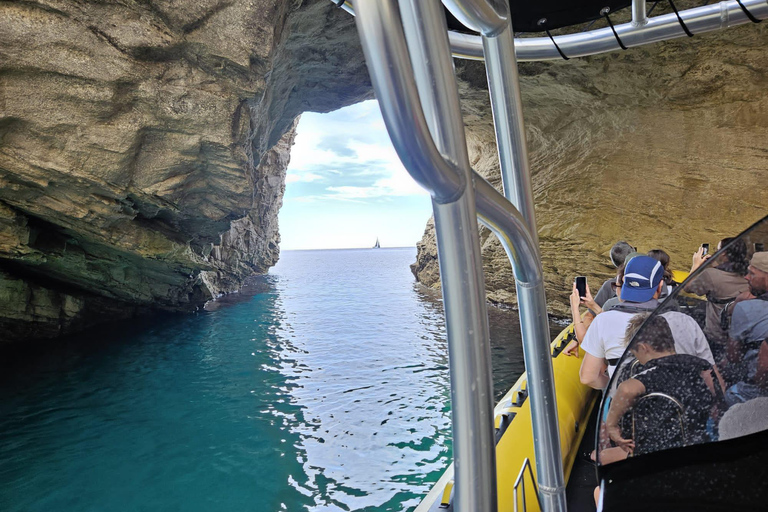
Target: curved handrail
[485, 16]
[668, 398]
[400, 107]
[659, 28]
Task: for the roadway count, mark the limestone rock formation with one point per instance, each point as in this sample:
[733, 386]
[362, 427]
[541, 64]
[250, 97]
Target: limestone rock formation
[144, 143]
[143, 148]
[664, 146]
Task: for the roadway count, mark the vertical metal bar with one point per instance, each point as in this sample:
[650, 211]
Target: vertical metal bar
[460, 261]
[506, 104]
[638, 13]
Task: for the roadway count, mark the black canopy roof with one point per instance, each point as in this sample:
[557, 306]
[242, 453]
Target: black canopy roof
[557, 13]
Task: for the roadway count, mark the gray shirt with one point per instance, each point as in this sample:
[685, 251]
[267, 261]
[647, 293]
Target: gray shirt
[605, 292]
[750, 321]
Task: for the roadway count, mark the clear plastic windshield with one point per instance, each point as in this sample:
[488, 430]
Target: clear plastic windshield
[696, 367]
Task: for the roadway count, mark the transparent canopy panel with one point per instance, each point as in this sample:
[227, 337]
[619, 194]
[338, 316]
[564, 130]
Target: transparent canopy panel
[695, 368]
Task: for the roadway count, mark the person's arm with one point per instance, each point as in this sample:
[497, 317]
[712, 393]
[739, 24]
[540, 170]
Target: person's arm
[625, 397]
[698, 259]
[580, 325]
[761, 376]
[593, 307]
[593, 372]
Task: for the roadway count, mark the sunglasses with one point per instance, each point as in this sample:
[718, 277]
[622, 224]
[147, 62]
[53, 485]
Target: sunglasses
[616, 285]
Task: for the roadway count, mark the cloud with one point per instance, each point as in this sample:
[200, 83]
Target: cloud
[306, 177]
[350, 153]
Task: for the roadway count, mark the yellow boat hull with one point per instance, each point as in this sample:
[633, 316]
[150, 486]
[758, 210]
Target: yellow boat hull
[574, 406]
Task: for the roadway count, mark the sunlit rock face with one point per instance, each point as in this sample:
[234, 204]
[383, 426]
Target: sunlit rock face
[143, 148]
[665, 146]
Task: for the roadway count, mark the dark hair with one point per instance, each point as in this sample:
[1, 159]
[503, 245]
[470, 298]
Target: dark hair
[662, 257]
[736, 252]
[619, 252]
[655, 333]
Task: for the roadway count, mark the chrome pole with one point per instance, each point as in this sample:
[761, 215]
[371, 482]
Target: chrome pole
[507, 108]
[658, 28]
[506, 105]
[460, 258]
[392, 75]
[638, 13]
[518, 242]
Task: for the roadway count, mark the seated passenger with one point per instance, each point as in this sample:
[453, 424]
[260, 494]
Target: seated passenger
[721, 285]
[619, 253]
[604, 341]
[677, 419]
[744, 419]
[662, 257]
[747, 348]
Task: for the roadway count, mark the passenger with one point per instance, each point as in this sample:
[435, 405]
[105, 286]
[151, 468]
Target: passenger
[580, 325]
[619, 253]
[721, 285]
[749, 329]
[744, 419]
[662, 257]
[664, 371]
[616, 287]
[604, 341]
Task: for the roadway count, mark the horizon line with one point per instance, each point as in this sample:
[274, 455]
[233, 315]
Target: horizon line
[349, 248]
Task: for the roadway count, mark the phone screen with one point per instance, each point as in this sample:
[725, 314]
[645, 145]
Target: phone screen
[581, 285]
[706, 249]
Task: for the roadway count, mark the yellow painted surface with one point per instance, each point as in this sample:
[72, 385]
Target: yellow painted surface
[574, 405]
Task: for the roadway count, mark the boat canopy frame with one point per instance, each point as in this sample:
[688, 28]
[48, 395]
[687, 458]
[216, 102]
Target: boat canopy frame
[408, 51]
[641, 30]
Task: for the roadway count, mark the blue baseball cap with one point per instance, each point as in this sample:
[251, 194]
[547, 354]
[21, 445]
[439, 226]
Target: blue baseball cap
[642, 276]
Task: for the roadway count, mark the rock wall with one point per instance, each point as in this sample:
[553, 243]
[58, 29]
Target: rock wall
[665, 146]
[143, 148]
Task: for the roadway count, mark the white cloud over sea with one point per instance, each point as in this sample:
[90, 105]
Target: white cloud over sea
[345, 185]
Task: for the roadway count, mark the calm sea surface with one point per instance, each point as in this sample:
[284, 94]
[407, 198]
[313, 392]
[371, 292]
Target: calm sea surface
[322, 386]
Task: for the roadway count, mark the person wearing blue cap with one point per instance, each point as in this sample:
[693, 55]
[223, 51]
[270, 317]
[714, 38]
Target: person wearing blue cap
[605, 341]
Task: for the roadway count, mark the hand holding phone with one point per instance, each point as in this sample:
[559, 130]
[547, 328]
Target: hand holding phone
[704, 249]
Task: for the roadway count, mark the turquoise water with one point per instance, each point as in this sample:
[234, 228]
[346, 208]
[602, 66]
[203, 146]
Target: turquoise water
[322, 386]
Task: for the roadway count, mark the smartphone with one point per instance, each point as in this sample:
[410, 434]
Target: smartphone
[706, 249]
[581, 285]
[759, 247]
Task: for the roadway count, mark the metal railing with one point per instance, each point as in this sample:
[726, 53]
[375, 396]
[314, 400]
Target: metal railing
[416, 88]
[640, 31]
[408, 52]
[520, 483]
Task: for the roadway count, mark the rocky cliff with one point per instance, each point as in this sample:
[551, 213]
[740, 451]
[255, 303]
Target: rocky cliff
[143, 148]
[665, 146]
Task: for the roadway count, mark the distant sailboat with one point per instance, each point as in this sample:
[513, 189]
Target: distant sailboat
[377, 246]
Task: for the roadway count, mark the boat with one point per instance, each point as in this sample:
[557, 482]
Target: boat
[376, 245]
[518, 454]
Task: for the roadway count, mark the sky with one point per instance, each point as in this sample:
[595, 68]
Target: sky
[345, 185]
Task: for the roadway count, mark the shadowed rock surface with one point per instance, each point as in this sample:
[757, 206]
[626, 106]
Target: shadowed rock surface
[143, 148]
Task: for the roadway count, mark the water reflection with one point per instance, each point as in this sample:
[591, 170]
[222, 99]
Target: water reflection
[321, 386]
